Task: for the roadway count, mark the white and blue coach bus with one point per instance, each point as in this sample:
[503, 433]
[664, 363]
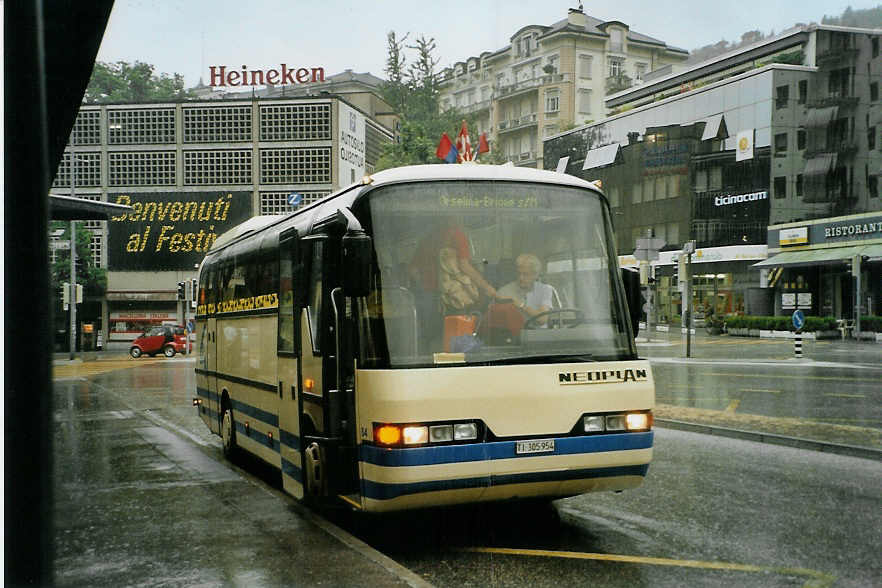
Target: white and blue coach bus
[432, 335]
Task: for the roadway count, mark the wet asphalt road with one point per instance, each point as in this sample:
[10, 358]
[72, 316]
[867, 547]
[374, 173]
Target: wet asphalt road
[137, 474]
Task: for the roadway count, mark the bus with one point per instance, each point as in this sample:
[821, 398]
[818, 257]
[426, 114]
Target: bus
[332, 346]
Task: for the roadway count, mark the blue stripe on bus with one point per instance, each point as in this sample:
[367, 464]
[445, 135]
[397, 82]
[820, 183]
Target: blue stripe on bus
[289, 440]
[254, 412]
[381, 491]
[500, 450]
[291, 470]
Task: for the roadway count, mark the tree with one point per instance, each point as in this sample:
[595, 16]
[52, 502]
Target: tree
[94, 279]
[412, 90]
[125, 82]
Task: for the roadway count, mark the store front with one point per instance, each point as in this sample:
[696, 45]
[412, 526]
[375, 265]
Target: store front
[722, 282]
[826, 267]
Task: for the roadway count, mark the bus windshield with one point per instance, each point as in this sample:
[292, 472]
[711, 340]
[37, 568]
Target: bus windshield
[480, 272]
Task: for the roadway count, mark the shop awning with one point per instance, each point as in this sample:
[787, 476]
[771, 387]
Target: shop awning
[601, 156]
[820, 256]
[821, 117]
[819, 165]
[712, 128]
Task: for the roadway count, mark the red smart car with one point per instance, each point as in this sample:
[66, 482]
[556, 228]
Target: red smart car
[167, 339]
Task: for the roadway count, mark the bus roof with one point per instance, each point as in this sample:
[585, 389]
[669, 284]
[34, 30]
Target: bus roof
[307, 216]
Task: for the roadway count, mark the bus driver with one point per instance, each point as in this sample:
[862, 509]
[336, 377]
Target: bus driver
[530, 295]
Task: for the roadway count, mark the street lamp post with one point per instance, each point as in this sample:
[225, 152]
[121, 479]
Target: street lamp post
[73, 261]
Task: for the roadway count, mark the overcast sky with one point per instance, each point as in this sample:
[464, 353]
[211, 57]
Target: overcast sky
[188, 36]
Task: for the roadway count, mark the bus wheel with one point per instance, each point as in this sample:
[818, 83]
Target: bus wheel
[315, 470]
[228, 434]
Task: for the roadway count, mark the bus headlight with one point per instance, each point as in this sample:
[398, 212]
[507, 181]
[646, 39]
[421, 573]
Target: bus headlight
[464, 431]
[441, 433]
[638, 421]
[615, 422]
[416, 435]
[593, 423]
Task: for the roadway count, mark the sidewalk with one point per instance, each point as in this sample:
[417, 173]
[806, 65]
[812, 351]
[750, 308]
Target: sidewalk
[140, 501]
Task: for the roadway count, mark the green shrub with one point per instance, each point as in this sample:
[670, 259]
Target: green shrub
[871, 323]
[785, 323]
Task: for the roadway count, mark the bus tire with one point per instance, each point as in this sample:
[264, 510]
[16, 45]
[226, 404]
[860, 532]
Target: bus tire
[228, 433]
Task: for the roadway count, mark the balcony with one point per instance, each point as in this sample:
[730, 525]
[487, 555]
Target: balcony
[476, 107]
[834, 99]
[532, 83]
[514, 124]
[835, 55]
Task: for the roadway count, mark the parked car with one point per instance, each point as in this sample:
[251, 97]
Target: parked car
[165, 339]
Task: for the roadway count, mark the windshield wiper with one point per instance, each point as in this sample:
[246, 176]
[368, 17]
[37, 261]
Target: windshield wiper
[531, 359]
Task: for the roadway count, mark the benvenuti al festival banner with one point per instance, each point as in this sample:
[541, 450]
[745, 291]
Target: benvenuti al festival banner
[170, 231]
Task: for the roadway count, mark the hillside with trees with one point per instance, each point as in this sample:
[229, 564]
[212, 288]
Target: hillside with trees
[864, 18]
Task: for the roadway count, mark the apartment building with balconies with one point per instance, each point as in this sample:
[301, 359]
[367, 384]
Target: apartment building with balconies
[549, 79]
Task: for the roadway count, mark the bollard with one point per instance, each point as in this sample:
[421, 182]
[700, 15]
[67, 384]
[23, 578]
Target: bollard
[797, 345]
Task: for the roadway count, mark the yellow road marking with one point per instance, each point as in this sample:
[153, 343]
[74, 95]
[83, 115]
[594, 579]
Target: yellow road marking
[760, 390]
[732, 406]
[844, 395]
[94, 368]
[818, 579]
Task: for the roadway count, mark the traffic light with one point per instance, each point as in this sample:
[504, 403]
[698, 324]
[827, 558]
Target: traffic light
[194, 290]
[79, 293]
[65, 293]
[181, 294]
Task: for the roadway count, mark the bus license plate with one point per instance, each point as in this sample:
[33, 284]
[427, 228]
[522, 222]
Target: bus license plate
[538, 446]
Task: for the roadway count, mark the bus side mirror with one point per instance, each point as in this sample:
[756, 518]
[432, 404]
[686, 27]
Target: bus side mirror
[357, 255]
[631, 281]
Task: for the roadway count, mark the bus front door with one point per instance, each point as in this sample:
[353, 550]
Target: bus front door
[290, 400]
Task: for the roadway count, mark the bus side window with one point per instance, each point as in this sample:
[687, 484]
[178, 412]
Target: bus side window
[314, 293]
[287, 255]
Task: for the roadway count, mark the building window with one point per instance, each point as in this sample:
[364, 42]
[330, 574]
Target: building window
[873, 186]
[295, 165]
[585, 101]
[141, 125]
[615, 67]
[640, 70]
[88, 170]
[585, 64]
[614, 197]
[552, 64]
[875, 44]
[277, 202]
[222, 166]
[803, 91]
[673, 236]
[87, 128]
[780, 187]
[661, 188]
[874, 91]
[782, 95]
[552, 100]
[637, 192]
[780, 143]
[295, 122]
[716, 178]
[217, 124]
[141, 168]
[648, 189]
[799, 186]
[701, 180]
[871, 138]
[800, 139]
[615, 41]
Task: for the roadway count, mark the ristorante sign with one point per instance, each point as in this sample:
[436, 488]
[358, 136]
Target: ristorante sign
[170, 231]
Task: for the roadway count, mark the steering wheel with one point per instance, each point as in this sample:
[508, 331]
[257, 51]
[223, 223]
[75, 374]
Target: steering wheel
[577, 319]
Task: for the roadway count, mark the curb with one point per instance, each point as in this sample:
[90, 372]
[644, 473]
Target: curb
[796, 442]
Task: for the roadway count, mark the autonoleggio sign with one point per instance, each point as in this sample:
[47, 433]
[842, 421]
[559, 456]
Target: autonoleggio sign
[170, 230]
